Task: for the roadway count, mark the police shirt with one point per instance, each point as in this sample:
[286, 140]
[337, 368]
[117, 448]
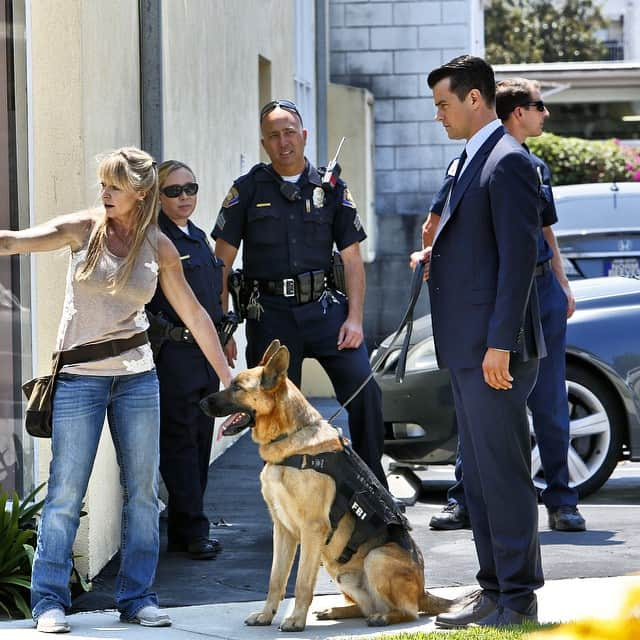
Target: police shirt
[548, 207]
[284, 237]
[202, 270]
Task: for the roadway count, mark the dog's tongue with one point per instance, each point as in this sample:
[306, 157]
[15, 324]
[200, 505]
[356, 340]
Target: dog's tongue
[235, 423]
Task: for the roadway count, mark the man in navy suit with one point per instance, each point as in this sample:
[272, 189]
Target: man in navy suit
[520, 106]
[487, 333]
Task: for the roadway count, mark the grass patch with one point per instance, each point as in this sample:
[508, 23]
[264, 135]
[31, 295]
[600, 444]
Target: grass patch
[487, 633]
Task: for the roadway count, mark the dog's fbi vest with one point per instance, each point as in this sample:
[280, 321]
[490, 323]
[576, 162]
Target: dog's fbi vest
[360, 493]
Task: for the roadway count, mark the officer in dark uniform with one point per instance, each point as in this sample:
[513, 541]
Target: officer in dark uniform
[520, 107]
[185, 375]
[288, 224]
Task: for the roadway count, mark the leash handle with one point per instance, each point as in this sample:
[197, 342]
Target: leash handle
[407, 321]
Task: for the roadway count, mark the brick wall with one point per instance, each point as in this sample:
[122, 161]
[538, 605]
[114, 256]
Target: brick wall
[389, 47]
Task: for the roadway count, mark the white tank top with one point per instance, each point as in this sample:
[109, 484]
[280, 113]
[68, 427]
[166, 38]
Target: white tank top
[92, 313]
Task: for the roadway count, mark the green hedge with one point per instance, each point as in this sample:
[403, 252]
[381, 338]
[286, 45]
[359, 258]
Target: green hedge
[576, 161]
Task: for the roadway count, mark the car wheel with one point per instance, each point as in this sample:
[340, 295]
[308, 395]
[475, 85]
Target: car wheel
[596, 433]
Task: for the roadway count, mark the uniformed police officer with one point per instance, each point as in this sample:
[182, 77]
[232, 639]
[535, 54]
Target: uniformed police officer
[288, 224]
[520, 107]
[184, 374]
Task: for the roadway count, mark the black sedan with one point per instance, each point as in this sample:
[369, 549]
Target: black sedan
[603, 382]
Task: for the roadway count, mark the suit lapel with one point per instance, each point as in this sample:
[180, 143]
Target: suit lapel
[477, 161]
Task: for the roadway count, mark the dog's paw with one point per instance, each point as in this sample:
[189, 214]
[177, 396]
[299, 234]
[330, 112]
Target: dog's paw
[258, 619]
[377, 620]
[292, 624]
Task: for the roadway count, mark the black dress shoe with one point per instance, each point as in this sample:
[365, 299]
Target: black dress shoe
[478, 607]
[204, 548]
[453, 516]
[504, 617]
[566, 519]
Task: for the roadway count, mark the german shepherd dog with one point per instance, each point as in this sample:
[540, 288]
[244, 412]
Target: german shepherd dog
[383, 581]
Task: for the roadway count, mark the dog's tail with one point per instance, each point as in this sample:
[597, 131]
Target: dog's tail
[431, 605]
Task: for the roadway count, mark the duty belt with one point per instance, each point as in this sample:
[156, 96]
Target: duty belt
[225, 329]
[304, 287]
[181, 334]
[542, 268]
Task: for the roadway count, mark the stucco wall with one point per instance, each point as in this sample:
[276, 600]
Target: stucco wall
[84, 99]
[211, 57]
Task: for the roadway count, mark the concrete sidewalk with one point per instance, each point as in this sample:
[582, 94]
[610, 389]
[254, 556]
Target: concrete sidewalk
[558, 600]
[212, 599]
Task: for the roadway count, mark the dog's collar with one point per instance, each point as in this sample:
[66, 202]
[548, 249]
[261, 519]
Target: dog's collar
[282, 436]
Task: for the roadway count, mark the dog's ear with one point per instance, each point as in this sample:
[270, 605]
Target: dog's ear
[271, 349]
[276, 368]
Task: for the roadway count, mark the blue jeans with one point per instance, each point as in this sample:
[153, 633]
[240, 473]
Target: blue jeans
[131, 403]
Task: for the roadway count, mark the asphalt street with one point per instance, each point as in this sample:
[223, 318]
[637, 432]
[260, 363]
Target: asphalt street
[240, 573]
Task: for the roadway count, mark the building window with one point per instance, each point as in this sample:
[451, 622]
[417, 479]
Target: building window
[16, 448]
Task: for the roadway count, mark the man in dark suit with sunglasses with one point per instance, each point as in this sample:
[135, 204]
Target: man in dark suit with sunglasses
[487, 333]
[288, 221]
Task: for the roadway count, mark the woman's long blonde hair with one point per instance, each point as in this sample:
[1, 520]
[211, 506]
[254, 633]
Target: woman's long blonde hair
[129, 169]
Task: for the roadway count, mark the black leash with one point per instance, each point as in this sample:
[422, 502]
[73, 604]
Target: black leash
[407, 321]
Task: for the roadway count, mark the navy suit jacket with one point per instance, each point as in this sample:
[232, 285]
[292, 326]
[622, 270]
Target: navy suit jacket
[483, 259]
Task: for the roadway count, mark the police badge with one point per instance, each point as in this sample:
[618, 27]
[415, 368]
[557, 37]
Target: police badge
[453, 167]
[318, 198]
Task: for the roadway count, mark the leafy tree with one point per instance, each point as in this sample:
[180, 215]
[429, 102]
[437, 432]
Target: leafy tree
[518, 31]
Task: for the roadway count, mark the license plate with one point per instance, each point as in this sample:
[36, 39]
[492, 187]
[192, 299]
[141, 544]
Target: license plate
[625, 267]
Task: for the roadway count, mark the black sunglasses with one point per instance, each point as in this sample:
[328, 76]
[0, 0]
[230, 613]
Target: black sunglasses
[175, 190]
[287, 105]
[538, 104]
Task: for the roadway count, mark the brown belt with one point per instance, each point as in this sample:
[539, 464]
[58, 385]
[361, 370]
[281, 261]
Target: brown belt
[101, 350]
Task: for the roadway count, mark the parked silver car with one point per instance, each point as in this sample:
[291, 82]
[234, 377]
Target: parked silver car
[598, 229]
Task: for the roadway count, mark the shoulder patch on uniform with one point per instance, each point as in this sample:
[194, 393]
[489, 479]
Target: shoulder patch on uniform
[220, 221]
[232, 198]
[357, 223]
[347, 199]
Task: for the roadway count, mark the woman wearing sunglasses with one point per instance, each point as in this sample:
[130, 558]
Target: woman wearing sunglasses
[183, 371]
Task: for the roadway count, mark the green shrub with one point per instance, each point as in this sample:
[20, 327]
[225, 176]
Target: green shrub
[18, 535]
[575, 160]
[17, 546]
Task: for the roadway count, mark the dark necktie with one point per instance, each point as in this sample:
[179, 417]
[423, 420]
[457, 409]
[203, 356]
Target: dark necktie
[461, 160]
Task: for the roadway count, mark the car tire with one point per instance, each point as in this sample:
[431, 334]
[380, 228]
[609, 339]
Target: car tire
[596, 432]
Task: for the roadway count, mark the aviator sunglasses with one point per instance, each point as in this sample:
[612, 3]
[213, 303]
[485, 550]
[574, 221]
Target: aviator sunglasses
[538, 104]
[175, 190]
[287, 105]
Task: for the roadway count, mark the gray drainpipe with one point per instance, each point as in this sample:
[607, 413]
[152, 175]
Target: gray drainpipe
[322, 79]
[151, 120]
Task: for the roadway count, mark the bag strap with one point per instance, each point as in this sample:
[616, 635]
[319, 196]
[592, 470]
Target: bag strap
[99, 350]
